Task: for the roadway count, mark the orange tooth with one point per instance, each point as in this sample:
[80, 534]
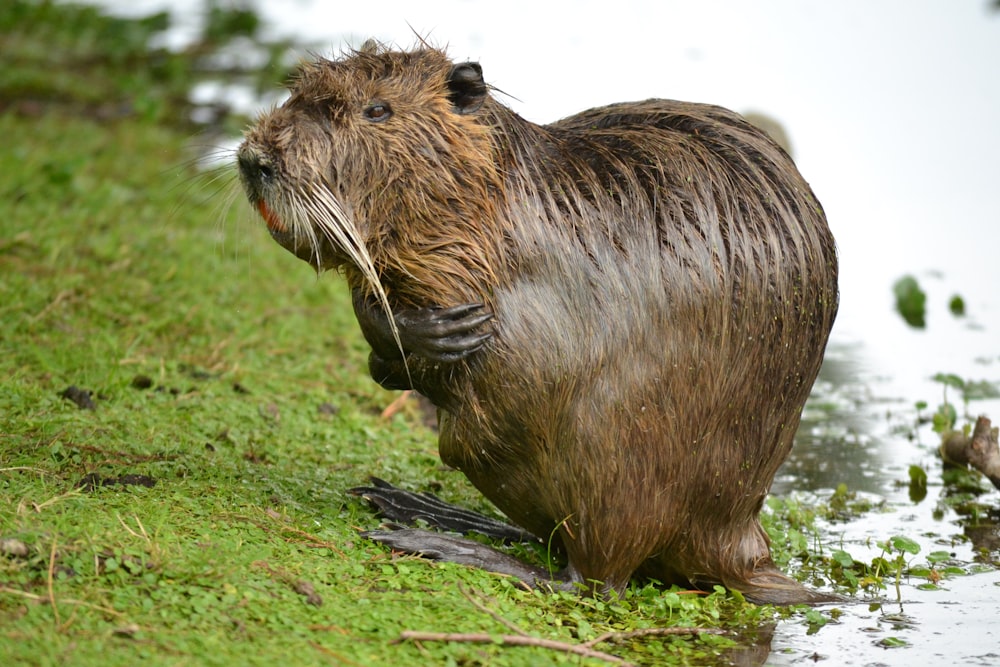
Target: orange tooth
[272, 220]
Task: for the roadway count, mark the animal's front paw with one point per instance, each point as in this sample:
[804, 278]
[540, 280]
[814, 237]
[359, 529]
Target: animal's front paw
[444, 334]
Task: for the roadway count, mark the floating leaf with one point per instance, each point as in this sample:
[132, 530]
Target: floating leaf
[918, 483]
[893, 642]
[815, 619]
[842, 558]
[949, 380]
[918, 475]
[911, 301]
[905, 544]
[957, 306]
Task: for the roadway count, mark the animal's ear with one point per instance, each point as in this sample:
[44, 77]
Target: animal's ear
[466, 88]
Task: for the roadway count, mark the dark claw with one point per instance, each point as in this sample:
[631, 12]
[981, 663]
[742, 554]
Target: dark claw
[407, 507]
[463, 317]
[444, 334]
[434, 333]
[454, 349]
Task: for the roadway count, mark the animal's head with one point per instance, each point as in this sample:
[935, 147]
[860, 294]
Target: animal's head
[372, 160]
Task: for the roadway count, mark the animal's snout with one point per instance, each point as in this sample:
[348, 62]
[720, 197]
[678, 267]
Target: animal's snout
[255, 169]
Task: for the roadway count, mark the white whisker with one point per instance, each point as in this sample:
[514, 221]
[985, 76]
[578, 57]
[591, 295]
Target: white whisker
[330, 219]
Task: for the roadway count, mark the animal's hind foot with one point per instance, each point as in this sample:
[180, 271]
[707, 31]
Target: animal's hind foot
[461, 550]
[410, 508]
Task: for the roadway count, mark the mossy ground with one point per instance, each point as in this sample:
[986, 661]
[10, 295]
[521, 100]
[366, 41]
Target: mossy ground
[120, 270]
[224, 371]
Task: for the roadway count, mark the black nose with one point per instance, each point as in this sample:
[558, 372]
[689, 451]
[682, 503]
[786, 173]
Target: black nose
[254, 167]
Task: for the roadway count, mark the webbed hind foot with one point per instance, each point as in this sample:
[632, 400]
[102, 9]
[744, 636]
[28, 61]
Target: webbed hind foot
[462, 550]
[408, 507]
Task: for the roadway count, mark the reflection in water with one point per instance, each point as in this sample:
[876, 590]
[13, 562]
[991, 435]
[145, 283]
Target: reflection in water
[835, 443]
[754, 647]
[984, 534]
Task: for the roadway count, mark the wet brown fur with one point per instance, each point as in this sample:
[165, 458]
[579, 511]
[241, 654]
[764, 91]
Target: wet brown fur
[663, 283]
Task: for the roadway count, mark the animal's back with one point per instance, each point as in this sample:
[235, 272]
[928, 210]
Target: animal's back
[674, 283]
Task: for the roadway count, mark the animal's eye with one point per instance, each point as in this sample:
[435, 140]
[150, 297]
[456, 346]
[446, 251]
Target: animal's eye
[377, 112]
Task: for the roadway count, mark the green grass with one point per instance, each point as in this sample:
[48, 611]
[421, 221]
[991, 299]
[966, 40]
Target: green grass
[222, 369]
[118, 262]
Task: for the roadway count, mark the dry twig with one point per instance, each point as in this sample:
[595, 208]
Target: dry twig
[522, 638]
[142, 528]
[27, 469]
[510, 640]
[300, 586]
[284, 528]
[45, 598]
[396, 405]
[650, 632]
[340, 659]
[497, 617]
[51, 577]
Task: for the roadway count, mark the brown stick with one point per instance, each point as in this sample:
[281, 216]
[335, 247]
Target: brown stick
[483, 608]
[510, 640]
[45, 598]
[981, 451]
[341, 660]
[312, 539]
[27, 469]
[396, 405]
[651, 632]
[52, 591]
[284, 528]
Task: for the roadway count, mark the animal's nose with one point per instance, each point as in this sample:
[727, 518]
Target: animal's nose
[254, 167]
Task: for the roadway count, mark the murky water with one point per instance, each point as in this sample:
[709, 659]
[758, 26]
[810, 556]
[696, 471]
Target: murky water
[868, 442]
[893, 111]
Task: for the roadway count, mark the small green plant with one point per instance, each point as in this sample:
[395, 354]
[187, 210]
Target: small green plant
[939, 566]
[946, 416]
[815, 619]
[892, 560]
[846, 505]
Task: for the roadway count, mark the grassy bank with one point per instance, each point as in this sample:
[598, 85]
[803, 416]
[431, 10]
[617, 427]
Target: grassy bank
[182, 406]
[197, 513]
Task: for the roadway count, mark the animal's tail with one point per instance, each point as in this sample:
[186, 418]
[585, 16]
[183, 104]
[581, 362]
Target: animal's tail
[767, 585]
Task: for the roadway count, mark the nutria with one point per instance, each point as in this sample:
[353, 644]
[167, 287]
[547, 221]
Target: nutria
[619, 315]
